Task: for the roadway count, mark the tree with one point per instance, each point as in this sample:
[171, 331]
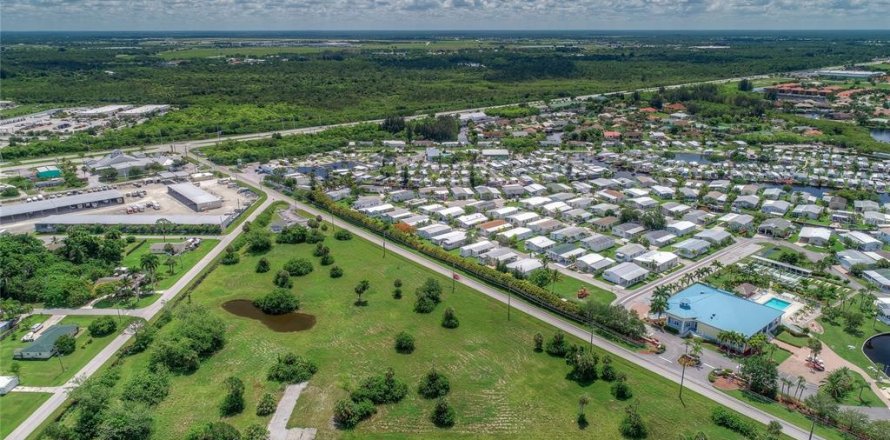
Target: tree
[539, 342]
[258, 241]
[149, 387]
[336, 272]
[773, 430]
[171, 264]
[404, 343]
[278, 302]
[433, 385]
[449, 320]
[343, 235]
[360, 289]
[282, 279]
[659, 305]
[557, 345]
[348, 412]
[815, 347]
[163, 226]
[583, 364]
[621, 390]
[298, 267]
[262, 266]
[822, 407]
[852, 322]
[292, 368]
[149, 263]
[761, 374]
[65, 345]
[266, 405]
[539, 277]
[632, 426]
[443, 414]
[102, 326]
[11, 309]
[125, 422]
[837, 384]
[256, 432]
[233, 402]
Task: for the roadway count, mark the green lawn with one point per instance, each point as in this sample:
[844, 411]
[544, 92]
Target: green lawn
[49, 372]
[788, 338]
[786, 414]
[184, 262]
[567, 287]
[839, 341]
[127, 303]
[16, 407]
[498, 382]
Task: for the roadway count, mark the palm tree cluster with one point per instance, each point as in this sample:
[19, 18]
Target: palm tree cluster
[660, 296]
[732, 340]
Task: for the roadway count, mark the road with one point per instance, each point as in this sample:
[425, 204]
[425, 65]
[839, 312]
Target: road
[46, 410]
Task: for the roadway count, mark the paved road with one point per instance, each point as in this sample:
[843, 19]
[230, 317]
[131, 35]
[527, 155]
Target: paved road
[278, 424]
[61, 394]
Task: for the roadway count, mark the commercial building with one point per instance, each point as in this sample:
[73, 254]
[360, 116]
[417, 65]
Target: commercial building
[48, 172]
[849, 74]
[194, 197]
[67, 204]
[707, 312]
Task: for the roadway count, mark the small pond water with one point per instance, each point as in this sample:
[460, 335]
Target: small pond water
[878, 349]
[289, 322]
[692, 157]
[880, 134]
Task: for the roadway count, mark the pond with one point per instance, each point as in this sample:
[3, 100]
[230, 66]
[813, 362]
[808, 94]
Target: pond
[692, 157]
[880, 134]
[878, 350]
[289, 322]
[819, 191]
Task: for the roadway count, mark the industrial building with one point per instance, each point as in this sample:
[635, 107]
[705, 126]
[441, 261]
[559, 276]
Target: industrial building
[849, 74]
[124, 163]
[144, 111]
[48, 172]
[194, 197]
[25, 211]
[129, 222]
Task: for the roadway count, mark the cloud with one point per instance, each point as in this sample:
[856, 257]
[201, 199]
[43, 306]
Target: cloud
[441, 14]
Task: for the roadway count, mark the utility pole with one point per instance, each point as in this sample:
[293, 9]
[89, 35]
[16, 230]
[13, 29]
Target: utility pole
[509, 300]
[384, 244]
[682, 378]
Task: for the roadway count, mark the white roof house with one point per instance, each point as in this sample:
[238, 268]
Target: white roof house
[539, 244]
[525, 265]
[475, 249]
[625, 274]
[473, 219]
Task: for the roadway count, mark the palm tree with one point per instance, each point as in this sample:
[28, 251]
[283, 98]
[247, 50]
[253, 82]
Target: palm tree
[555, 277]
[801, 385]
[837, 383]
[149, 263]
[723, 338]
[582, 402]
[787, 383]
[170, 263]
[658, 306]
[696, 349]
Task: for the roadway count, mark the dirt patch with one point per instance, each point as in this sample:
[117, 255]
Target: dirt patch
[726, 383]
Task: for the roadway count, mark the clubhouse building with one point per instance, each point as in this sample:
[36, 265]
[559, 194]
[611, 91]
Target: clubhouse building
[706, 311]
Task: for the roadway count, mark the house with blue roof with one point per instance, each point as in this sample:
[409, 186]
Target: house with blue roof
[707, 311]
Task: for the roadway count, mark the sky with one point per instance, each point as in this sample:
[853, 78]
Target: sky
[147, 15]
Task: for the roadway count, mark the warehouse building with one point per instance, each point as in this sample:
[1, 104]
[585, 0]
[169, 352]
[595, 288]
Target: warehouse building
[131, 222]
[194, 197]
[61, 205]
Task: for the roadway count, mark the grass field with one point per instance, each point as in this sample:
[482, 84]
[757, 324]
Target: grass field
[16, 407]
[500, 386]
[49, 372]
[786, 414]
[788, 338]
[840, 341]
[207, 52]
[184, 263]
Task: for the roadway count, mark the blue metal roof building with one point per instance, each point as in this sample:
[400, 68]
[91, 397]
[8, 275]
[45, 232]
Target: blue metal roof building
[706, 311]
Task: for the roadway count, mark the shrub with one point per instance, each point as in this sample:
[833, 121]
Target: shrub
[298, 267]
[348, 413]
[433, 385]
[214, 431]
[632, 425]
[314, 236]
[230, 258]
[266, 405]
[321, 250]
[539, 342]
[258, 241]
[449, 320]
[621, 390]
[256, 432]
[262, 266]
[397, 283]
[583, 362]
[443, 414]
[608, 373]
[397, 293]
[282, 279]
[196, 334]
[381, 389]
[148, 387]
[327, 260]
[278, 302]
[292, 369]
[723, 417]
[343, 235]
[233, 402]
[404, 343]
[557, 345]
[65, 345]
[336, 272]
[102, 326]
[292, 235]
[131, 239]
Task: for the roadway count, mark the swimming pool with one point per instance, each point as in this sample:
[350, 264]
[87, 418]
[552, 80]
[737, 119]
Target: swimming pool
[776, 303]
